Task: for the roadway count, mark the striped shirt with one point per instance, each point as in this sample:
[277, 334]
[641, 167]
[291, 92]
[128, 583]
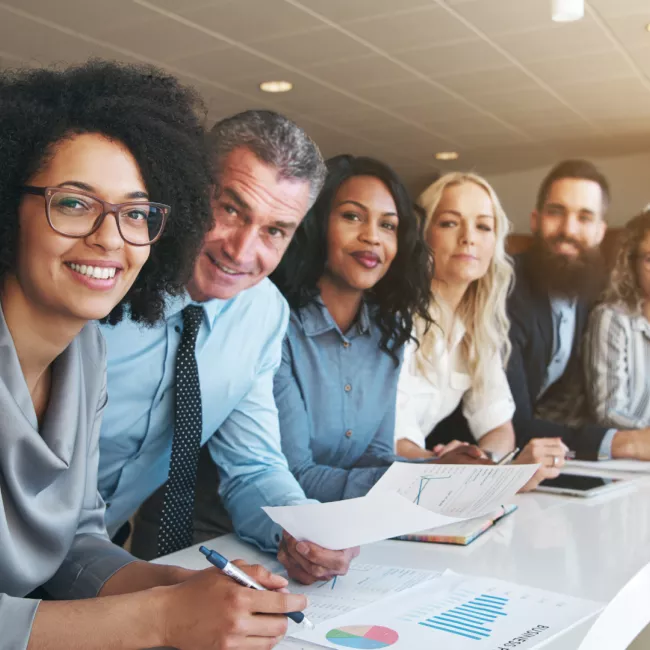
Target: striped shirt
[617, 367]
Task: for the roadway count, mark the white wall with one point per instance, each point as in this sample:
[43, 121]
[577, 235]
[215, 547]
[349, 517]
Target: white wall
[628, 176]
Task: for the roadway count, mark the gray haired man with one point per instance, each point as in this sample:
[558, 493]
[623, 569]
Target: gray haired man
[204, 378]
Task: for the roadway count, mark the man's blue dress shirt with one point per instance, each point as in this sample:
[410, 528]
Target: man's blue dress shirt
[238, 352]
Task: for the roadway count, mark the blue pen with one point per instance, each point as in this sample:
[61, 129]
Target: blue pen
[245, 580]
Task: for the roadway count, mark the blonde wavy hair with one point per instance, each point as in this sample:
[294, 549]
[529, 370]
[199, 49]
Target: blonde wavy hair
[624, 285]
[483, 307]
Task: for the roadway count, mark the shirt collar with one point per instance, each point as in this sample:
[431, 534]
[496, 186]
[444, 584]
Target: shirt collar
[211, 308]
[561, 304]
[316, 319]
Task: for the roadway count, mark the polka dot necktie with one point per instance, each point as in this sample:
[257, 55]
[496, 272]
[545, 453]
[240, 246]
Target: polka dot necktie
[176, 527]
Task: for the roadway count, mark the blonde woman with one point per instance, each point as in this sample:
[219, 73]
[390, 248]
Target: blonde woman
[463, 358]
[617, 344]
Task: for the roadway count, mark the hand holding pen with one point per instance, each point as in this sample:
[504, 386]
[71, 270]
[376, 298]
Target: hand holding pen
[242, 578]
[210, 611]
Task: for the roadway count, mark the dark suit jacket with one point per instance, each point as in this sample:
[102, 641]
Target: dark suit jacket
[531, 335]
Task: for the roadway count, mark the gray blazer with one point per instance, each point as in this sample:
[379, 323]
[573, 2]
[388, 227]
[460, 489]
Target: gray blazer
[52, 529]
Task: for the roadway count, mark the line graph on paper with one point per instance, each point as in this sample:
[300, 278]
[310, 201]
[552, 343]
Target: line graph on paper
[424, 481]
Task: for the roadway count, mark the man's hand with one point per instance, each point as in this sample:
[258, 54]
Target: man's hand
[210, 611]
[460, 453]
[307, 562]
[549, 453]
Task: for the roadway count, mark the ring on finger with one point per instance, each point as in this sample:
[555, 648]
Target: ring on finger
[556, 460]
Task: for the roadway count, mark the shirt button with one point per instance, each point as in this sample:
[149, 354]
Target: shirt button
[177, 329]
[346, 344]
[348, 388]
[348, 433]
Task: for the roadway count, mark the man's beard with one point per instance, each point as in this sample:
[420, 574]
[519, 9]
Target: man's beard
[582, 277]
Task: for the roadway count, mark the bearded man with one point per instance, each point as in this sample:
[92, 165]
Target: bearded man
[556, 281]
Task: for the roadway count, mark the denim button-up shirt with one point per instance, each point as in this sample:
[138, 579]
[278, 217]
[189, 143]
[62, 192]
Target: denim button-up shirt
[336, 396]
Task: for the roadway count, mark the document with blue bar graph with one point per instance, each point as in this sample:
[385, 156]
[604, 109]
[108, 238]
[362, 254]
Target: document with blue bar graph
[456, 612]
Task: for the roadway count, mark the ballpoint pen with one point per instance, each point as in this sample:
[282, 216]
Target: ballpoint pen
[234, 572]
[509, 456]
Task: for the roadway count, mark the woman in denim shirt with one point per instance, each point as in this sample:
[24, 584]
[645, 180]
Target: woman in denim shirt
[356, 273]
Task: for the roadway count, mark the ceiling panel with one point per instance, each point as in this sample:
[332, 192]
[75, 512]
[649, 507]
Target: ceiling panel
[251, 20]
[474, 84]
[458, 58]
[476, 123]
[473, 140]
[313, 99]
[626, 125]
[522, 101]
[556, 41]
[451, 110]
[238, 68]
[316, 46]
[413, 92]
[364, 71]
[616, 98]
[419, 28]
[177, 5]
[31, 41]
[92, 17]
[613, 8]
[153, 38]
[344, 11]
[429, 78]
[630, 30]
[582, 68]
[505, 16]
[641, 57]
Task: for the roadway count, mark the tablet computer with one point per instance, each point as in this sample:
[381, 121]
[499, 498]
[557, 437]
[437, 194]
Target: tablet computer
[578, 485]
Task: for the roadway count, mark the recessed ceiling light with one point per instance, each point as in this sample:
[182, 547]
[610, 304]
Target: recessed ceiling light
[647, 27]
[276, 86]
[564, 11]
[447, 155]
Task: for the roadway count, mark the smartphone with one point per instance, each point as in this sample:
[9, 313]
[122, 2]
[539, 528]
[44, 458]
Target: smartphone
[580, 486]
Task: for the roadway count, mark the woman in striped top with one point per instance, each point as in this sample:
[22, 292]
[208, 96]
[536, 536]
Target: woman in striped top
[617, 345]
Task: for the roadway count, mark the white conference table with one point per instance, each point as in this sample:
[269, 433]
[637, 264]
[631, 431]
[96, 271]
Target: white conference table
[582, 547]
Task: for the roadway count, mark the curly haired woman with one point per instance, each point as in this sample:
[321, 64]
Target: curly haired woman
[617, 343]
[104, 201]
[355, 275]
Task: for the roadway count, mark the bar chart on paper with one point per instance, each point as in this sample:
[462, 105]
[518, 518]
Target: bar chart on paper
[470, 619]
[456, 612]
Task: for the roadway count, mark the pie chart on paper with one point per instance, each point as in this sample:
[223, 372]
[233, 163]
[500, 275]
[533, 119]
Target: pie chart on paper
[362, 637]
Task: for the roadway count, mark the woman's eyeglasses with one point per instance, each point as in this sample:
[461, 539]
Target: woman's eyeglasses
[74, 213]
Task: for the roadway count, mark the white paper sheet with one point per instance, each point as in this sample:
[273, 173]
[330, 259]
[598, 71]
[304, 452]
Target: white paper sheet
[462, 491]
[344, 524]
[616, 465]
[455, 612]
[363, 585]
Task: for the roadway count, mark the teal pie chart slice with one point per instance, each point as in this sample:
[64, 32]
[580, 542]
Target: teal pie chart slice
[362, 637]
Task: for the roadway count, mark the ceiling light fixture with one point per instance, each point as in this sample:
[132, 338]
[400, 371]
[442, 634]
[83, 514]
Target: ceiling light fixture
[447, 155]
[276, 86]
[565, 11]
[647, 27]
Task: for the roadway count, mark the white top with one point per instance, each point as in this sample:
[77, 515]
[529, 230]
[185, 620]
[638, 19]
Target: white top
[424, 401]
